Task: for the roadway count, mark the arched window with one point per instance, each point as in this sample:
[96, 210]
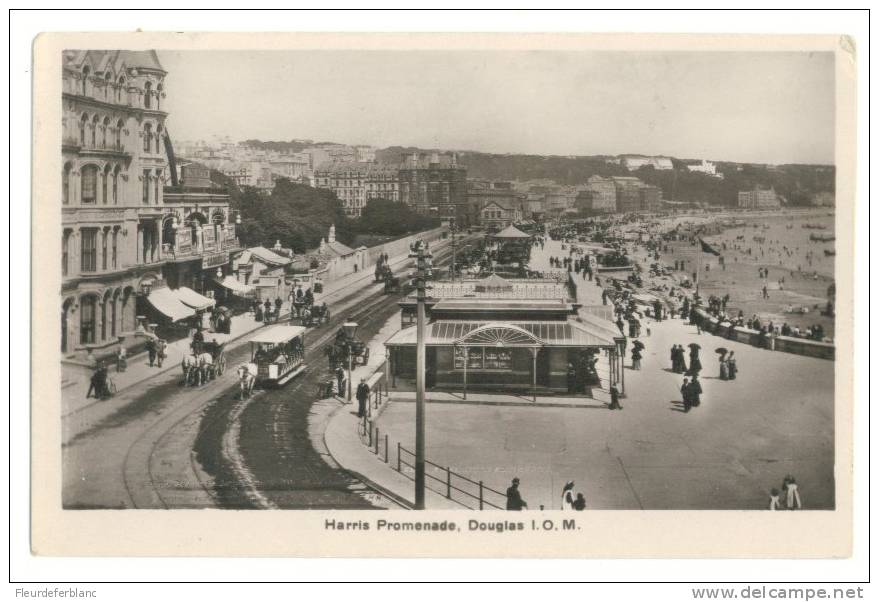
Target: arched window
[89, 182]
[95, 132]
[159, 90]
[105, 180]
[146, 187]
[116, 186]
[147, 137]
[65, 184]
[119, 135]
[113, 318]
[107, 84]
[147, 94]
[156, 185]
[158, 139]
[104, 315]
[106, 125]
[114, 249]
[105, 243]
[82, 125]
[87, 307]
[85, 80]
[120, 90]
[65, 252]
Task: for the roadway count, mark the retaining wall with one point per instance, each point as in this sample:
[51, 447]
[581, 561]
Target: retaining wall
[798, 346]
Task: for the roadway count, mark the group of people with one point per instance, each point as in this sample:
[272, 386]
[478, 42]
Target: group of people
[98, 385]
[728, 366]
[788, 498]
[691, 393]
[156, 351]
[263, 312]
[569, 500]
[679, 361]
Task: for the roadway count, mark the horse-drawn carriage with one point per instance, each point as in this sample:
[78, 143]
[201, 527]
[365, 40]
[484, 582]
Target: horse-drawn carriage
[315, 315]
[206, 362]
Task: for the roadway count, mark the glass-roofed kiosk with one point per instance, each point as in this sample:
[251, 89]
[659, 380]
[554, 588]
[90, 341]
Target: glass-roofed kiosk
[511, 336]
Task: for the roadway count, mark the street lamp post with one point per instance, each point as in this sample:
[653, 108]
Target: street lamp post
[349, 328]
[422, 255]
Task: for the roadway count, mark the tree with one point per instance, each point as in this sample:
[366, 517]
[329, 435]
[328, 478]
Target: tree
[384, 217]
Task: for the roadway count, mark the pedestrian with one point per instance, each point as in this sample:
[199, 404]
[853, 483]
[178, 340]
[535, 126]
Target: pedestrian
[724, 367]
[580, 502]
[278, 305]
[95, 382]
[362, 398]
[774, 501]
[636, 358]
[675, 360]
[151, 351]
[695, 391]
[161, 351]
[614, 399]
[121, 359]
[792, 494]
[731, 367]
[340, 380]
[514, 497]
[685, 395]
[568, 496]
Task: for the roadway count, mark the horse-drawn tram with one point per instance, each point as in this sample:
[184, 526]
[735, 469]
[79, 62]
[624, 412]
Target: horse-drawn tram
[278, 353]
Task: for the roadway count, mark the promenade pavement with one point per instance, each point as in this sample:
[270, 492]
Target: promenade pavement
[775, 419]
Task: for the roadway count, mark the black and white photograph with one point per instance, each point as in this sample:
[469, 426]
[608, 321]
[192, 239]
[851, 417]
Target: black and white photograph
[519, 285]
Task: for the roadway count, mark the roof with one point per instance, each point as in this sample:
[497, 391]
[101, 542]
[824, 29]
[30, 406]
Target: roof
[278, 334]
[521, 289]
[493, 282]
[115, 61]
[506, 334]
[501, 304]
[511, 232]
[263, 255]
[337, 248]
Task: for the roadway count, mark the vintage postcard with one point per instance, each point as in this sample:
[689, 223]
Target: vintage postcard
[443, 295]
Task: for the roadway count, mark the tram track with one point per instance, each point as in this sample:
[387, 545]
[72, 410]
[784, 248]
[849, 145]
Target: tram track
[195, 454]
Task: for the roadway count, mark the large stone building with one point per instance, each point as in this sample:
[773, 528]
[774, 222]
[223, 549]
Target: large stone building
[357, 183]
[633, 162]
[494, 204]
[115, 210]
[436, 185]
[758, 199]
[599, 196]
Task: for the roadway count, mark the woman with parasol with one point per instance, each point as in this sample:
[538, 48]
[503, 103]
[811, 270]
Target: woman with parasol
[724, 367]
[637, 346]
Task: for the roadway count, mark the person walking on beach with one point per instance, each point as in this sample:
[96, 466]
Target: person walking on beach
[792, 494]
[774, 501]
[731, 366]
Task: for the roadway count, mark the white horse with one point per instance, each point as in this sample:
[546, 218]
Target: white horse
[190, 368]
[246, 379]
[206, 366]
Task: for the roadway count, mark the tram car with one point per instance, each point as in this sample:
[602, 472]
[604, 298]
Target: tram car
[279, 354]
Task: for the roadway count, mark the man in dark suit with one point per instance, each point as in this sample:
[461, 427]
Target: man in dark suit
[514, 498]
[362, 398]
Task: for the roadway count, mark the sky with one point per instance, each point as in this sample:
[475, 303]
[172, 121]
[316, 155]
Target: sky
[760, 107]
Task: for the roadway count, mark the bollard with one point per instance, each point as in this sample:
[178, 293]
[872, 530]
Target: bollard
[376, 440]
[480, 495]
[448, 482]
[386, 448]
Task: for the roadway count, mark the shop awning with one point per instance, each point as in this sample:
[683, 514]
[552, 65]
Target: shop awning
[167, 303]
[189, 297]
[238, 288]
[507, 334]
[278, 334]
